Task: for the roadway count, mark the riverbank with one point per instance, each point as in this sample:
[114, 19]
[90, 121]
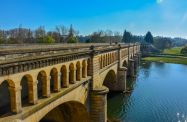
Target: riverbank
[175, 60]
[172, 55]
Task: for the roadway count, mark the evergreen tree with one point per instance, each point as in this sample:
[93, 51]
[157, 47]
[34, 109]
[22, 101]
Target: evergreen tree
[149, 38]
[127, 37]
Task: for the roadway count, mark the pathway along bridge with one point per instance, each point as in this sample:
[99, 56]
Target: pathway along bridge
[62, 83]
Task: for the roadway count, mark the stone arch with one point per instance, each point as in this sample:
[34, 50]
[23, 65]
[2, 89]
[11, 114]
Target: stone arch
[78, 71]
[125, 64]
[108, 58]
[54, 84]
[110, 79]
[71, 111]
[27, 91]
[113, 57]
[84, 69]
[89, 67]
[8, 99]
[103, 61]
[64, 77]
[43, 84]
[71, 73]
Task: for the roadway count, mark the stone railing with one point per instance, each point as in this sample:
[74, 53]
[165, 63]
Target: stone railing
[24, 59]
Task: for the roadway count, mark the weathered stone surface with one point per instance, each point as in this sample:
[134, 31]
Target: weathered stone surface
[59, 75]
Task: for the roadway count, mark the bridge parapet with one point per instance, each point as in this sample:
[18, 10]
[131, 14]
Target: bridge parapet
[16, 65]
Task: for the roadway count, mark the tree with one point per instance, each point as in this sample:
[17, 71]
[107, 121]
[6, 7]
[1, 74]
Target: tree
[184, 50]
[127, 37]
[149, 38]
[97, 37]
[60, 31]
[72, 39]
[2, 37]
[72, 36]
[162, 43]
[49, 39]
[40, 34]
[117, 36]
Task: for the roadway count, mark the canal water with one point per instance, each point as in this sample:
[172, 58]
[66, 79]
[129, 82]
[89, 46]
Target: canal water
[159, 94]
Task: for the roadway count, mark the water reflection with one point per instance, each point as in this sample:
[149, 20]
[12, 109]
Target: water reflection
[158, 95]
[119, 104]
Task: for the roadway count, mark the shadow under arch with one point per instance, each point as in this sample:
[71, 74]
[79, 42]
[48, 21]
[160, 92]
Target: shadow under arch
[54, 80]
[110, 80]
[78, 71]
[71, 73]
[125, 64]
[27, 90]
[42, 84]
[71, 111]
[84, 69]
[64, 81]
[7, 99]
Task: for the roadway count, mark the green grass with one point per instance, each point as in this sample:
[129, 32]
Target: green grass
[175, 50]
[167, 60]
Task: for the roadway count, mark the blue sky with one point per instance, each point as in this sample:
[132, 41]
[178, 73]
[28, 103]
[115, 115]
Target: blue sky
[161, 17]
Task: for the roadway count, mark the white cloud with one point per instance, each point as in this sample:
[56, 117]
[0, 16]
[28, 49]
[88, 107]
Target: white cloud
[159, 1]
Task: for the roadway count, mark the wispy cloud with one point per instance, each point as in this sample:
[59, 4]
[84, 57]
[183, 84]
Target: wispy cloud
[159, 1]
[184, 17]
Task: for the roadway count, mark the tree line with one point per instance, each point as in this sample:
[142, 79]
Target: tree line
[60, 34]
[158, 42]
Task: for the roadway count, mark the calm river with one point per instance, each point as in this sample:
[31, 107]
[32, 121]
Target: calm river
[159, 95]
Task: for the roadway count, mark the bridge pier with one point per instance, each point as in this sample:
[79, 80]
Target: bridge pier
[139, 57]
[59, 82]
[121, 79]
[98, 104]
[33, 95]
[136, 59]
[46, 88]
[131, 68]
[15, 96]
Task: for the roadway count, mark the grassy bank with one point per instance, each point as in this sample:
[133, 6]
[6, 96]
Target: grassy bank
[175, 50]
[167, 60]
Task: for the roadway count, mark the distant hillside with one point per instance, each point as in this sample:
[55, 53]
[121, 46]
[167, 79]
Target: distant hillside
[179, 42]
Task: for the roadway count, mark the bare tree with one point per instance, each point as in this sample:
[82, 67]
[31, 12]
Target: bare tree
[40, 34]
[117, 36]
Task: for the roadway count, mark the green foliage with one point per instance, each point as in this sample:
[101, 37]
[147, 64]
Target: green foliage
[184, 50]
[127, 37]
[12, 41]
[1, 40]
[97, 37]
[72, 39]
[167, 60]
[88, 41]
[162, 43]
[46, 39]
[149, 37]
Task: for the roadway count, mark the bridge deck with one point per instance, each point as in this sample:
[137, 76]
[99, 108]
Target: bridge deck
[13, 53]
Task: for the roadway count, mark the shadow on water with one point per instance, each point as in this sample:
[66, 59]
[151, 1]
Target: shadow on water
[119, 102]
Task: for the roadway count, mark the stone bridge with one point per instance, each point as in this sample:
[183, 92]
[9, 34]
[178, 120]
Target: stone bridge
[62, 83]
